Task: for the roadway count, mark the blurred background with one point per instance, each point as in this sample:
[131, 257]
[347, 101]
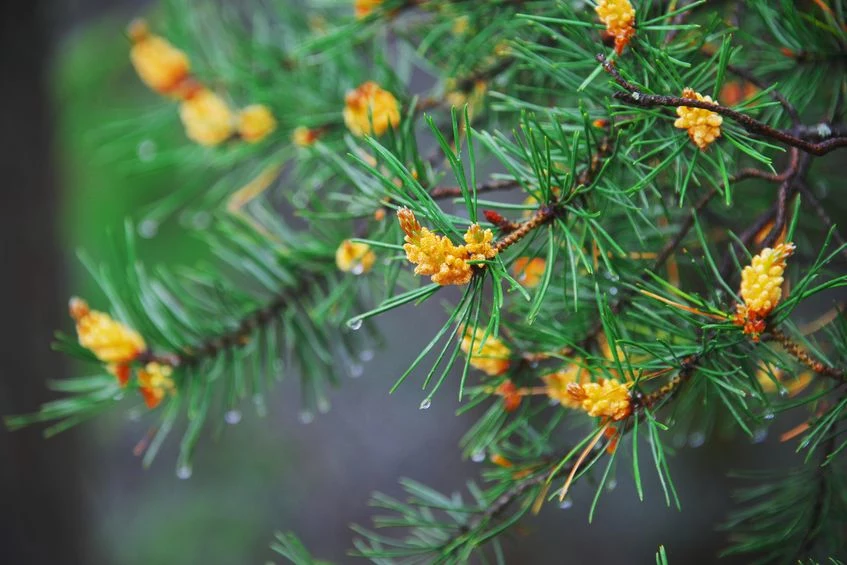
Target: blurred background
[83, 496]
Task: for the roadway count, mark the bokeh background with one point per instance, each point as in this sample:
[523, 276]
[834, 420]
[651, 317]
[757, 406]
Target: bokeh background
[83, 496]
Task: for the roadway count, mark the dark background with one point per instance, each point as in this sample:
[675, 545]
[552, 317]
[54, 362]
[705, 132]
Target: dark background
[82, 497]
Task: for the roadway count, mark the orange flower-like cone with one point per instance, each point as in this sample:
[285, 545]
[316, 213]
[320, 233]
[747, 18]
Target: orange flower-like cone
[255, 123]
[556, 384]
[511, 395]
[440, 258]
[207, 118]
[529, 270]
[364, 8]
[619, 18]
[160, 65]
[478, 243]
[356, 258]
[491, 356]
[607, 398]
[704, 126]
[304, 137]
[433, 255]
[370, 102]
[761, 288]
[110, 341]
[154, 382]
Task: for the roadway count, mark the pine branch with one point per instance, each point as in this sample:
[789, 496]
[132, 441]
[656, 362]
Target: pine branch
[636, 97]
[796, 351]
[491, 186]
[238, 337]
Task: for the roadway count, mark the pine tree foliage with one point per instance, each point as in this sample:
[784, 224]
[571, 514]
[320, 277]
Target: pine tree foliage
[632, 176]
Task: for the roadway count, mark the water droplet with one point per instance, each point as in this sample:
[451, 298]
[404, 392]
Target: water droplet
[358, 269]
[768, 415]
[478, 456]
[148, 229]
[760, 435]
[783, 392]
[425, 404]
[696, 439]
[306, 417]
[366, 355]
[611, 484]
[146, 151]
[356, 370]
[259, 403]
[323, 405]
[232, 417]
[184, 472]
[566, 503]
[354, 323]
[613, 290]
[533, 364]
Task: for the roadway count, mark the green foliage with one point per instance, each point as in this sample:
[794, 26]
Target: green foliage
[515, 116]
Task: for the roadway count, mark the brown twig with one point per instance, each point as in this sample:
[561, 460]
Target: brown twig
[502, 503]
[237, 337]
[541, 217]
[492, 186]
[548, 212]
[796, 351]
[635, 97]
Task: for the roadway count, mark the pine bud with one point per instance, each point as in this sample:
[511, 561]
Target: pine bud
[255, 123]
[160, 65]
[370, 102]
[304, 137]
[704, 126]
[606, 398]
[511, 396]
[353, 257]
[363, 8]
[109, 340]
[619, 18]
[154, 382]
[761, 288]
[528, 271]
[121, 372]
[491, 356]
[206, 117]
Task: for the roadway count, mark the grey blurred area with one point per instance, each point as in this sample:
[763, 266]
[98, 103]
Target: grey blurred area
[83, 497]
